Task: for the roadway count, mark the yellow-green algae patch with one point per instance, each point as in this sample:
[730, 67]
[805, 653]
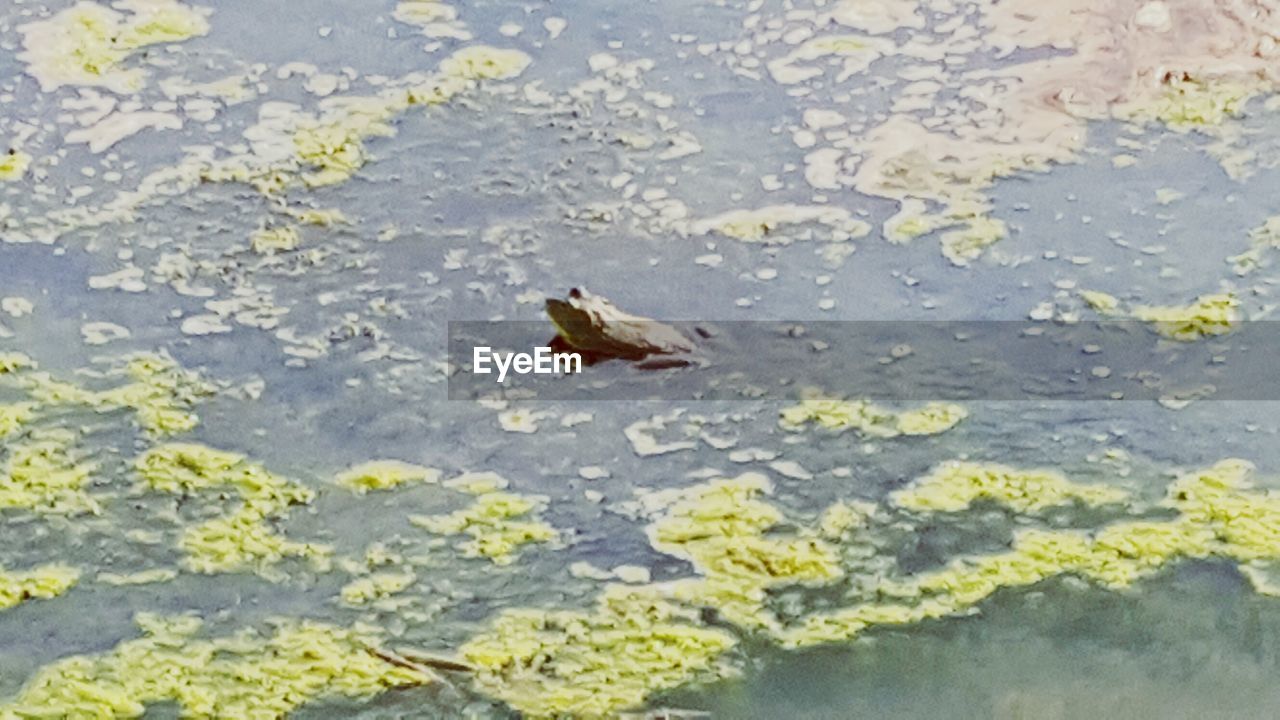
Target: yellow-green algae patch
[858, 51]
[972, 231]
[954, 486]
[759, 225]
[44, 582]
[638, 640]
[243, 539]
[871, 419]
[435, 18]
[318, 217]
[910, 222]
[494, 523]
[244, 675]
[1262, 238]
[43, 471]
[1189, 103]
[190, 467]
[88, 43]
[1209, 315]
[966, 244]
[269, 241]
[384, 475]
[161, 394]
[13, 362]
[43, 474]
[328, 148]
[597, 662]
[13, 165]
[424, 12]
[14, 416]
[1219, 515]
[722, 528]
[481, 62]
[1102, 302]
[142, 577]
[376, 586]
[334, 150]
[477, 483]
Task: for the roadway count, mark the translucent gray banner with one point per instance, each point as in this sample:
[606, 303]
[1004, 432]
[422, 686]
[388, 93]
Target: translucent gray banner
[888, 360]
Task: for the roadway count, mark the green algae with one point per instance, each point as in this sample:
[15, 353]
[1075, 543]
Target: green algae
[871, 419]
[494, 523]
[13, 165]
[376, 586]
[954, 486]
[1114, 557]
[642, 639]
[14, 416]
[931, 419]
[269, 241]
[384, 475]
[247, 674]
[329, 148]
[1208, 316]
[423, 12]
[44, 582]
[477, 483]
[1222, 498]
[318, 217]
[966, 244]
[1102, 302]
[1190, 103]
[243, 539]
[190, 467]
[759, 225]
[722, 528]
[43, 474]
[480, 62]
[858, 51]
[142, 577]
[12, 363]
[910, 222]
[334, 151]
[1219, 515]
[88, 44]
[597, 662]
[843, 518]
[1263, 238]
[162, 395]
